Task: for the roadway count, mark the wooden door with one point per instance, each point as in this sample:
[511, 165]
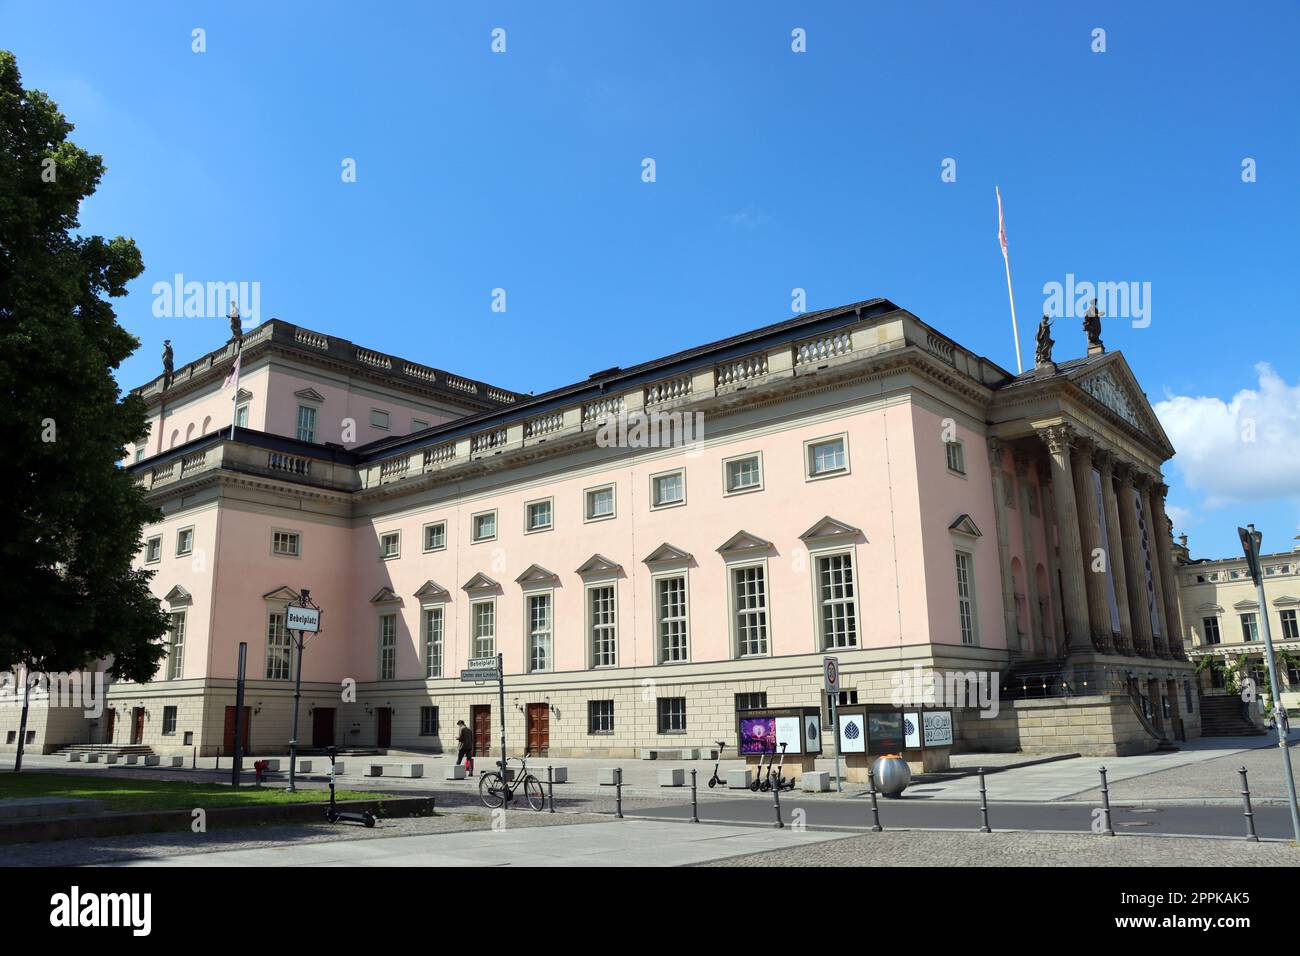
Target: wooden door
[228, 746]
[383, 727]
[322, 727]
[539, 729]
[480, 716]
[110, 716]
[137, 725]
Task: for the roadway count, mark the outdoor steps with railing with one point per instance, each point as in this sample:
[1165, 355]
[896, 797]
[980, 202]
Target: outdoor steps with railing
[1223, 717]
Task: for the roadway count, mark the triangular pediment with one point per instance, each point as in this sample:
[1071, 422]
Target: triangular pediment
[829, 529]
[599, 564]
[243, 395]
[1209, 608]
[178, 597]
[309, 395]
[1246, 604]
[282, 593]
[667, 554]
[965, 525]
[742, 542]
[432, 591]
[385, 595]
[1111, 384]
[1286, 600]
[536, 574]
[479, 582]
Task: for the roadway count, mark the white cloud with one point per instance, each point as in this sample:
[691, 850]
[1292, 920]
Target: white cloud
[1245, 449]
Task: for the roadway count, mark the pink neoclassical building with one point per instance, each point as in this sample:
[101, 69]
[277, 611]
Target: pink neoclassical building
[855, 483]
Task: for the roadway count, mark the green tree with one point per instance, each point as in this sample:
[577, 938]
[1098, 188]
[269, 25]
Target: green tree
[68, 593]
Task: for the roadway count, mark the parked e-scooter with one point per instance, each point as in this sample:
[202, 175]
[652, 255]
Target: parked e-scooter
[783, 783]
[715, 779]
[333, 814]
[760, 782]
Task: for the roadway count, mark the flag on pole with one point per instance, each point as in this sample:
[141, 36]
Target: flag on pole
[1002, 224]
[233, 377]
[1002, 241]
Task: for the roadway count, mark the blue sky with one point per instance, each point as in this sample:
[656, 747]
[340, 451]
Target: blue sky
[775, 170]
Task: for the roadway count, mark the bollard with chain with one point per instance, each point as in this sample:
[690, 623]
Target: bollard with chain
[984, 805]
[1105, 804]
[875, 807]
[1250, 814]
[618, 792]
[550, 788]
[776, 802]
[695, 806]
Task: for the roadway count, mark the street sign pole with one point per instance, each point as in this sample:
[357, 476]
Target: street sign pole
[831, 674]
[1250, 542]
[237, 763]
[306, 617]
[501, 689]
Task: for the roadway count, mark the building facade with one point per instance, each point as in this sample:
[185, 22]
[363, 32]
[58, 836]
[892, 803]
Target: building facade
[652, 548]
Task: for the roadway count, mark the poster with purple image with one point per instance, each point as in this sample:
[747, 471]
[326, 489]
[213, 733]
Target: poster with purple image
[757, 735]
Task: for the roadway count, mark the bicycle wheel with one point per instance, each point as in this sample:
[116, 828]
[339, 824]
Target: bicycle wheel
[492, 790]
[534, 792]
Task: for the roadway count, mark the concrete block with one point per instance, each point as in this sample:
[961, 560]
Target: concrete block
[304, 766]
[175, 762]
[152, 760]
[606, 776]
[455, 772]
[272, 765]
[672, 778]
[408, 770]
[74, 758]
[112, 758]
[815, 781]
[739, 778]
[559, 774]
[375, 770]
[131, 759]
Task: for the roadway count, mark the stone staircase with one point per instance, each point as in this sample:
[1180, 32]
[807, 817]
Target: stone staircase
[1222, 717]
[120, 750]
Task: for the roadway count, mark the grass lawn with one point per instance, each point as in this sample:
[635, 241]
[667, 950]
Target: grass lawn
[119, 793]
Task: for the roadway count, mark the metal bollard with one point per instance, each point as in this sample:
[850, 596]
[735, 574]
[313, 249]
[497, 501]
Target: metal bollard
[1105, 804]
[618, 792]
[776, 802]
[875, 807]
[1250, 814]
[695, 805]
[984, 805]
[550, 788]
[194, 758]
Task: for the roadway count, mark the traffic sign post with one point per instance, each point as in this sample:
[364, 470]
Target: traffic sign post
[831, 682]
[299, 620]
[483, 669]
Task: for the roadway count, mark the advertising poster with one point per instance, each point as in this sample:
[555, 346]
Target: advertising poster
[812, 734]
[938, 728]
[911, 729]
[885, 733]
[757, 735]
[853, 735]
[787, 732]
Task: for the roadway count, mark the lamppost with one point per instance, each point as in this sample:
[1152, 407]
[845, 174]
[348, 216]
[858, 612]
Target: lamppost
[300, 620]
[1250, 542]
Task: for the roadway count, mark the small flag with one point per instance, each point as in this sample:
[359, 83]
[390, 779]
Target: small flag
[1002, 224]
[233, 377]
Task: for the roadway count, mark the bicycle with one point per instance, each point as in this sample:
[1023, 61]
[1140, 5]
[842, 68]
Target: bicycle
[495, 791]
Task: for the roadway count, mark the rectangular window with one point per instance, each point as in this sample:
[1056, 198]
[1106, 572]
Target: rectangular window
[379, 418]
[956, 457]
[827, 456]
[153, 550]
[241, 416]
[279, 658]
[435, 536]
[668, 490]
[176, 654]
[539, 632]
[599, 503]
[1293, 676]
[749, 601]
[743, 474]
[837, 603]
[671, 712]
[387, 646]
[600, 716]
[1249, 627]
[965, 598]
[390, 544]
[483, 623]
[139, 453]
[306, 423]
[1290, 627]
[602, 625]
[670, 609]
[432, 624]
[752, 701]
[483, 526]
[1211, 626]
[428, 721]
[286, 543]
[537, 515]
[169, 721]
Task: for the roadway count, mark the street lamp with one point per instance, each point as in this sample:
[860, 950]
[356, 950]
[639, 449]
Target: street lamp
[301, 619]
[1250, 542]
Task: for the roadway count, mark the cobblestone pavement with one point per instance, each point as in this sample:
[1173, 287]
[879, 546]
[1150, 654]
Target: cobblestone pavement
[930, 848]
[1215, 779]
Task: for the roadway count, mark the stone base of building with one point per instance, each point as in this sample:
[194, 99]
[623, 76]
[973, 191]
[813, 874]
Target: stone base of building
[1104, 725]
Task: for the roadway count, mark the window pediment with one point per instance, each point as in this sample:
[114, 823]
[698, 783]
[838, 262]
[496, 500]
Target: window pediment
[386, 595]
[432, 591]
[742, 542]
[1286, 600]
[178, 597]
[1246, 605]
[965, 525]
[536, 574]
[309, 395]
[667, 554]
[829, 529]
[283, 593]
[599, 564]
[480, 583]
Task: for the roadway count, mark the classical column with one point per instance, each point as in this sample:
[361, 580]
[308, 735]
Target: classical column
[1074, 595]
[1031, 562]
[1115, 549]
[1153, 555]
[1134, 566]
[1163, 534]
[1053, 564]
[1093, 547]
[996, 449]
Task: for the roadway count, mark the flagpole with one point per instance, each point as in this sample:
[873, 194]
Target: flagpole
[1006, 260]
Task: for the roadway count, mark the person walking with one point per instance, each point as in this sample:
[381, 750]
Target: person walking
[465, 740]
